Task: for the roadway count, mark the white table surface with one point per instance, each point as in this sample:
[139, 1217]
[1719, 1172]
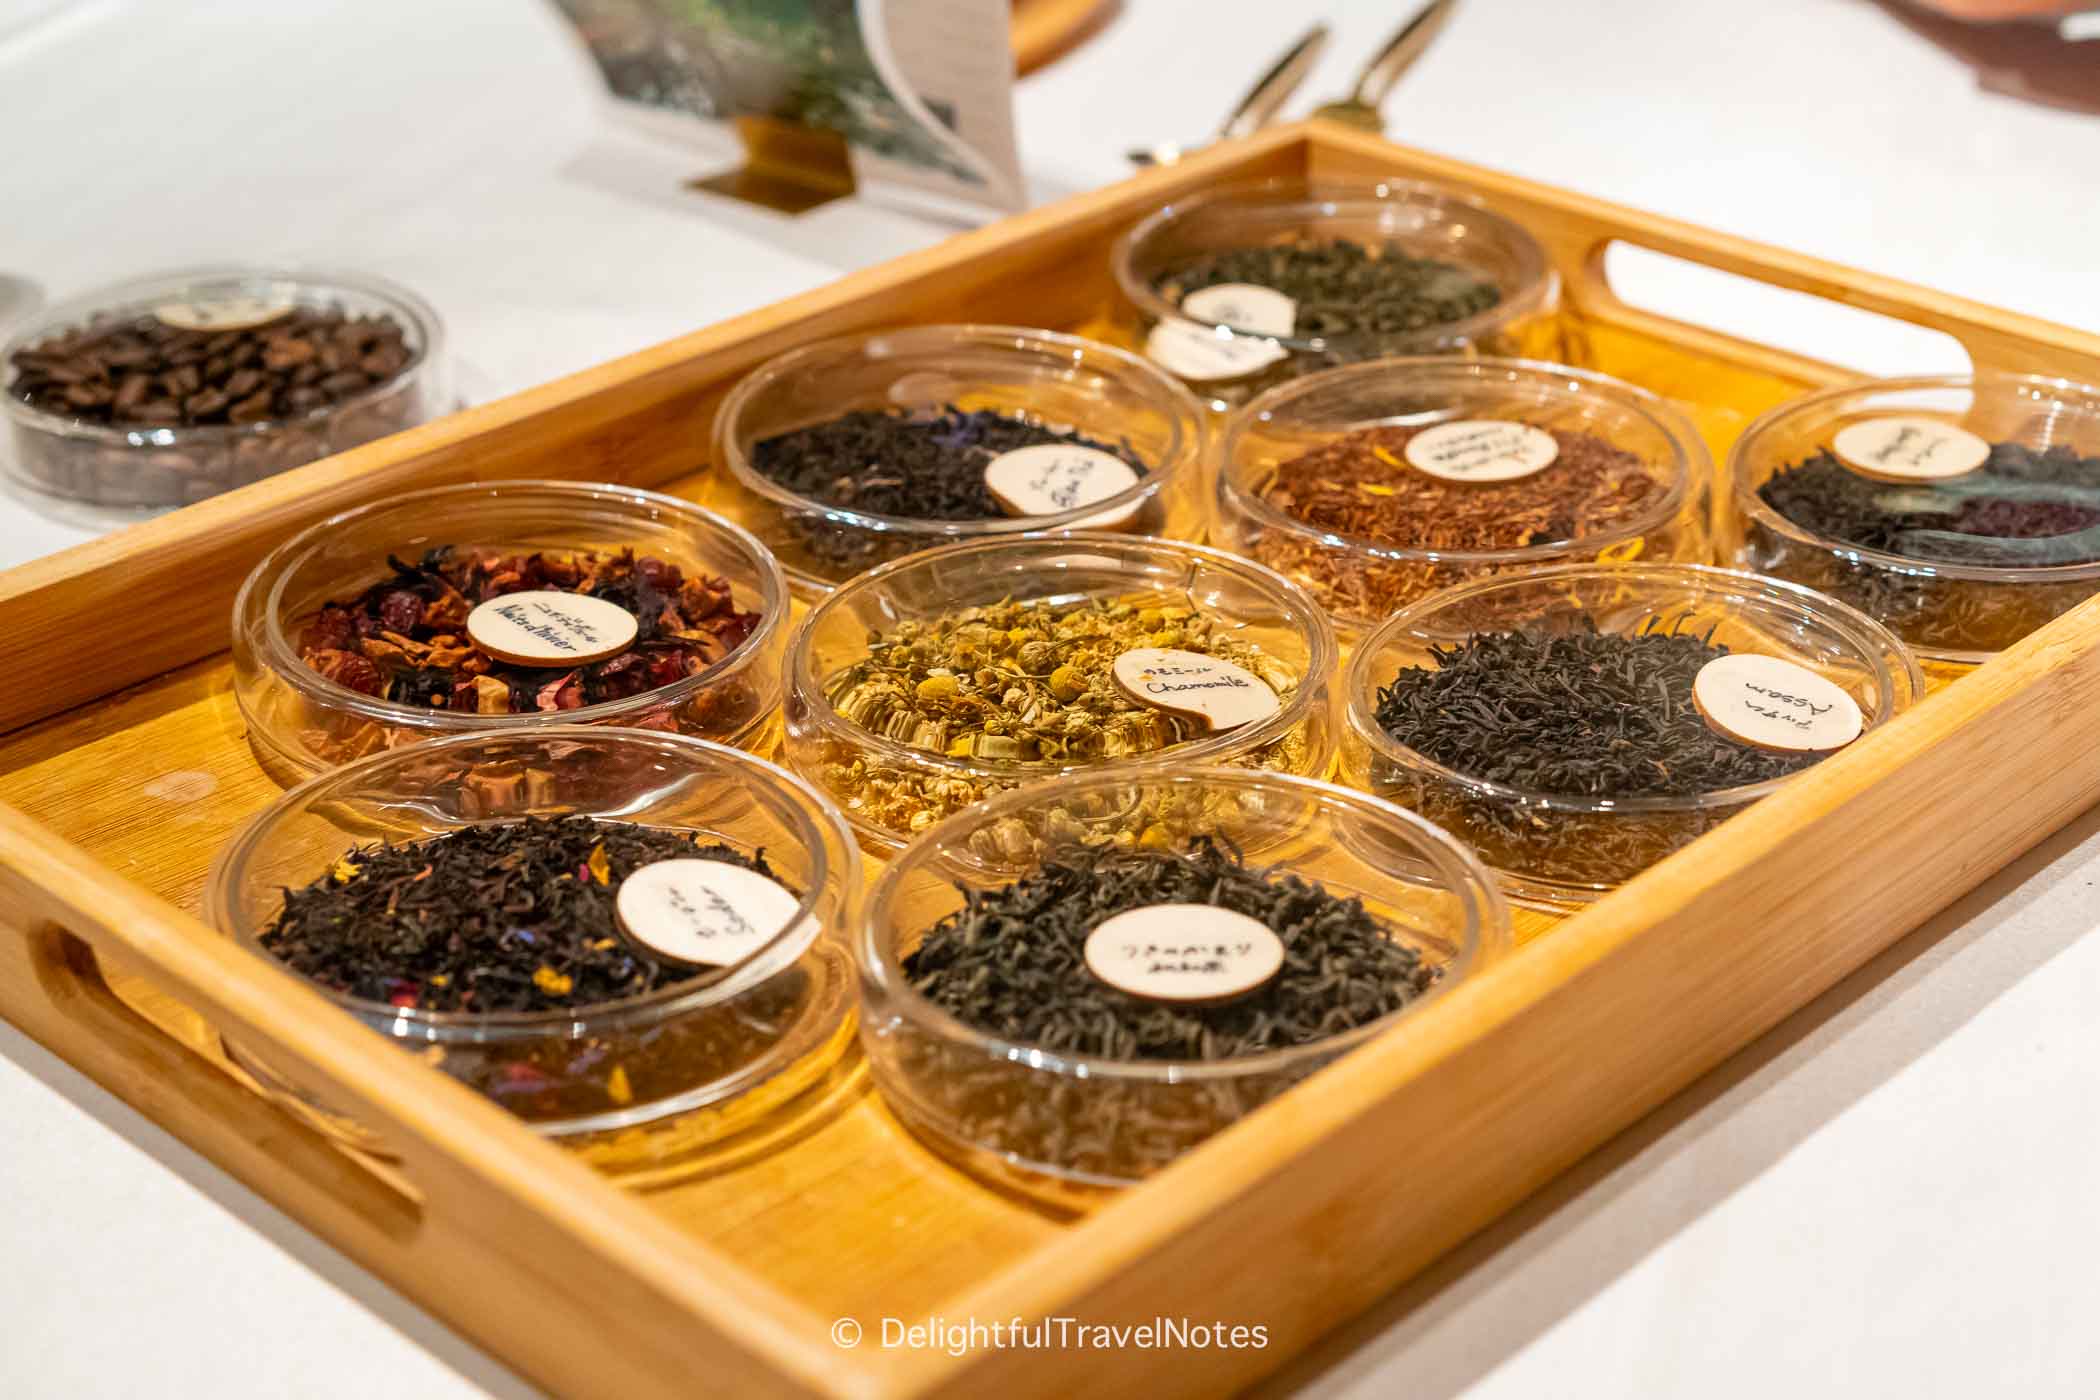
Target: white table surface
[1890, 1194]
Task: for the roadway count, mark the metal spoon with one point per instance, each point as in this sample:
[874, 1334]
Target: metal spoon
[1360, 108]
[1258, 108]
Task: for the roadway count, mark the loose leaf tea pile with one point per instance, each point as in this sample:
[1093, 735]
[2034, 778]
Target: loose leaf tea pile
[2022, 507]
[916, 466]
[144, 372]
[1578, 714]
[404, 638]
[1033, 681]
[512, 916]
[1343, 288]
[1361, 484]
[1012, 961]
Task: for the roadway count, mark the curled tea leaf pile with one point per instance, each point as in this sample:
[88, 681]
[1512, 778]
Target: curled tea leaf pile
[1344, 288]
[1012, 961]
[917, 466]
[1578, 714]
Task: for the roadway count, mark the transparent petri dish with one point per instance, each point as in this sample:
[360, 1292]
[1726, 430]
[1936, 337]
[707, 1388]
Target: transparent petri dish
[1931, 559]
[1062, 1126]
[1060, 381]
[141, 468]
[1226, 364]
[631, 1084]
[891, 789]
[1558, 852]
[300, 722]
[1361, 579]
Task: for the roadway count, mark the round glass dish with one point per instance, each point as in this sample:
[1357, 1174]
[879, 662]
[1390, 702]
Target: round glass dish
[632, 1084]
[1558, 852]
[141, 467]
[1094, 390]
[1060, 1125]
[1228, 365]
[890, 790]
[1954, 614]
[1361, 581]
[300, 722]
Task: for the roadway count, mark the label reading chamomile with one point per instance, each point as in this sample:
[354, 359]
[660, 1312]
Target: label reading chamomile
[1202, 354]
[222, 313]
[1244, 306]
[1482, 449]
[1222, 695]
[1772, 704]
[1193, 954]
[1909, 449]
[1054, 477]
[702, 913]
[551, 628]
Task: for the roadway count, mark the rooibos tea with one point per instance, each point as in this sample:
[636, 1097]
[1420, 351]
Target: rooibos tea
[1365, 485]
[1014, 963]
[407, 638]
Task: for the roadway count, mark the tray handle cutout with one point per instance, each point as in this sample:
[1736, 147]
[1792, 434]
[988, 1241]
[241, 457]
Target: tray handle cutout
[1758, 312]
[1795, 316]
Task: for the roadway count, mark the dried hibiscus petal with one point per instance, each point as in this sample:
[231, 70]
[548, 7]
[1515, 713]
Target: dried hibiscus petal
[404, 638]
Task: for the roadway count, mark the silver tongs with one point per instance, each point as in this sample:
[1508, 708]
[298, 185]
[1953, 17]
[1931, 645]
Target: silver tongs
[1276, 87]
[1259, 107]
[1360, 107]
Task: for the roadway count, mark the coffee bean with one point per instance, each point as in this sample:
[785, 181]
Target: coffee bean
[146, 371]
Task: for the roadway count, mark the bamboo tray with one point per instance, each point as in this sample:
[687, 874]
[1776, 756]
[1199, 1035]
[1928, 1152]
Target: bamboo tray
[125, 768]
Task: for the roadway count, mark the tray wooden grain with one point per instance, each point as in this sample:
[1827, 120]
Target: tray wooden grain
[125, 768]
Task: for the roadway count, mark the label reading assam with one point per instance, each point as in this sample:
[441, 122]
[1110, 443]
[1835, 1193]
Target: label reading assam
[1222, 695]
[1200, 353]
[1909, 449]
[1244, 306]
[1055, 477]
[1482, 450]
[1773, 704]
[1189, 953]
[551, 628]
[702, 913]
[222, 313]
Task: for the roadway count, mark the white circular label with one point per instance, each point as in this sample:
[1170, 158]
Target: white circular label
[1244, 306]
[1222, 695]
[551, 628]
[1200, 353]
[1190, 953]
[1909, 449]
[1773, 704]
[1482, 449]
[224, 313]
[703, 913]
[1055, 477]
